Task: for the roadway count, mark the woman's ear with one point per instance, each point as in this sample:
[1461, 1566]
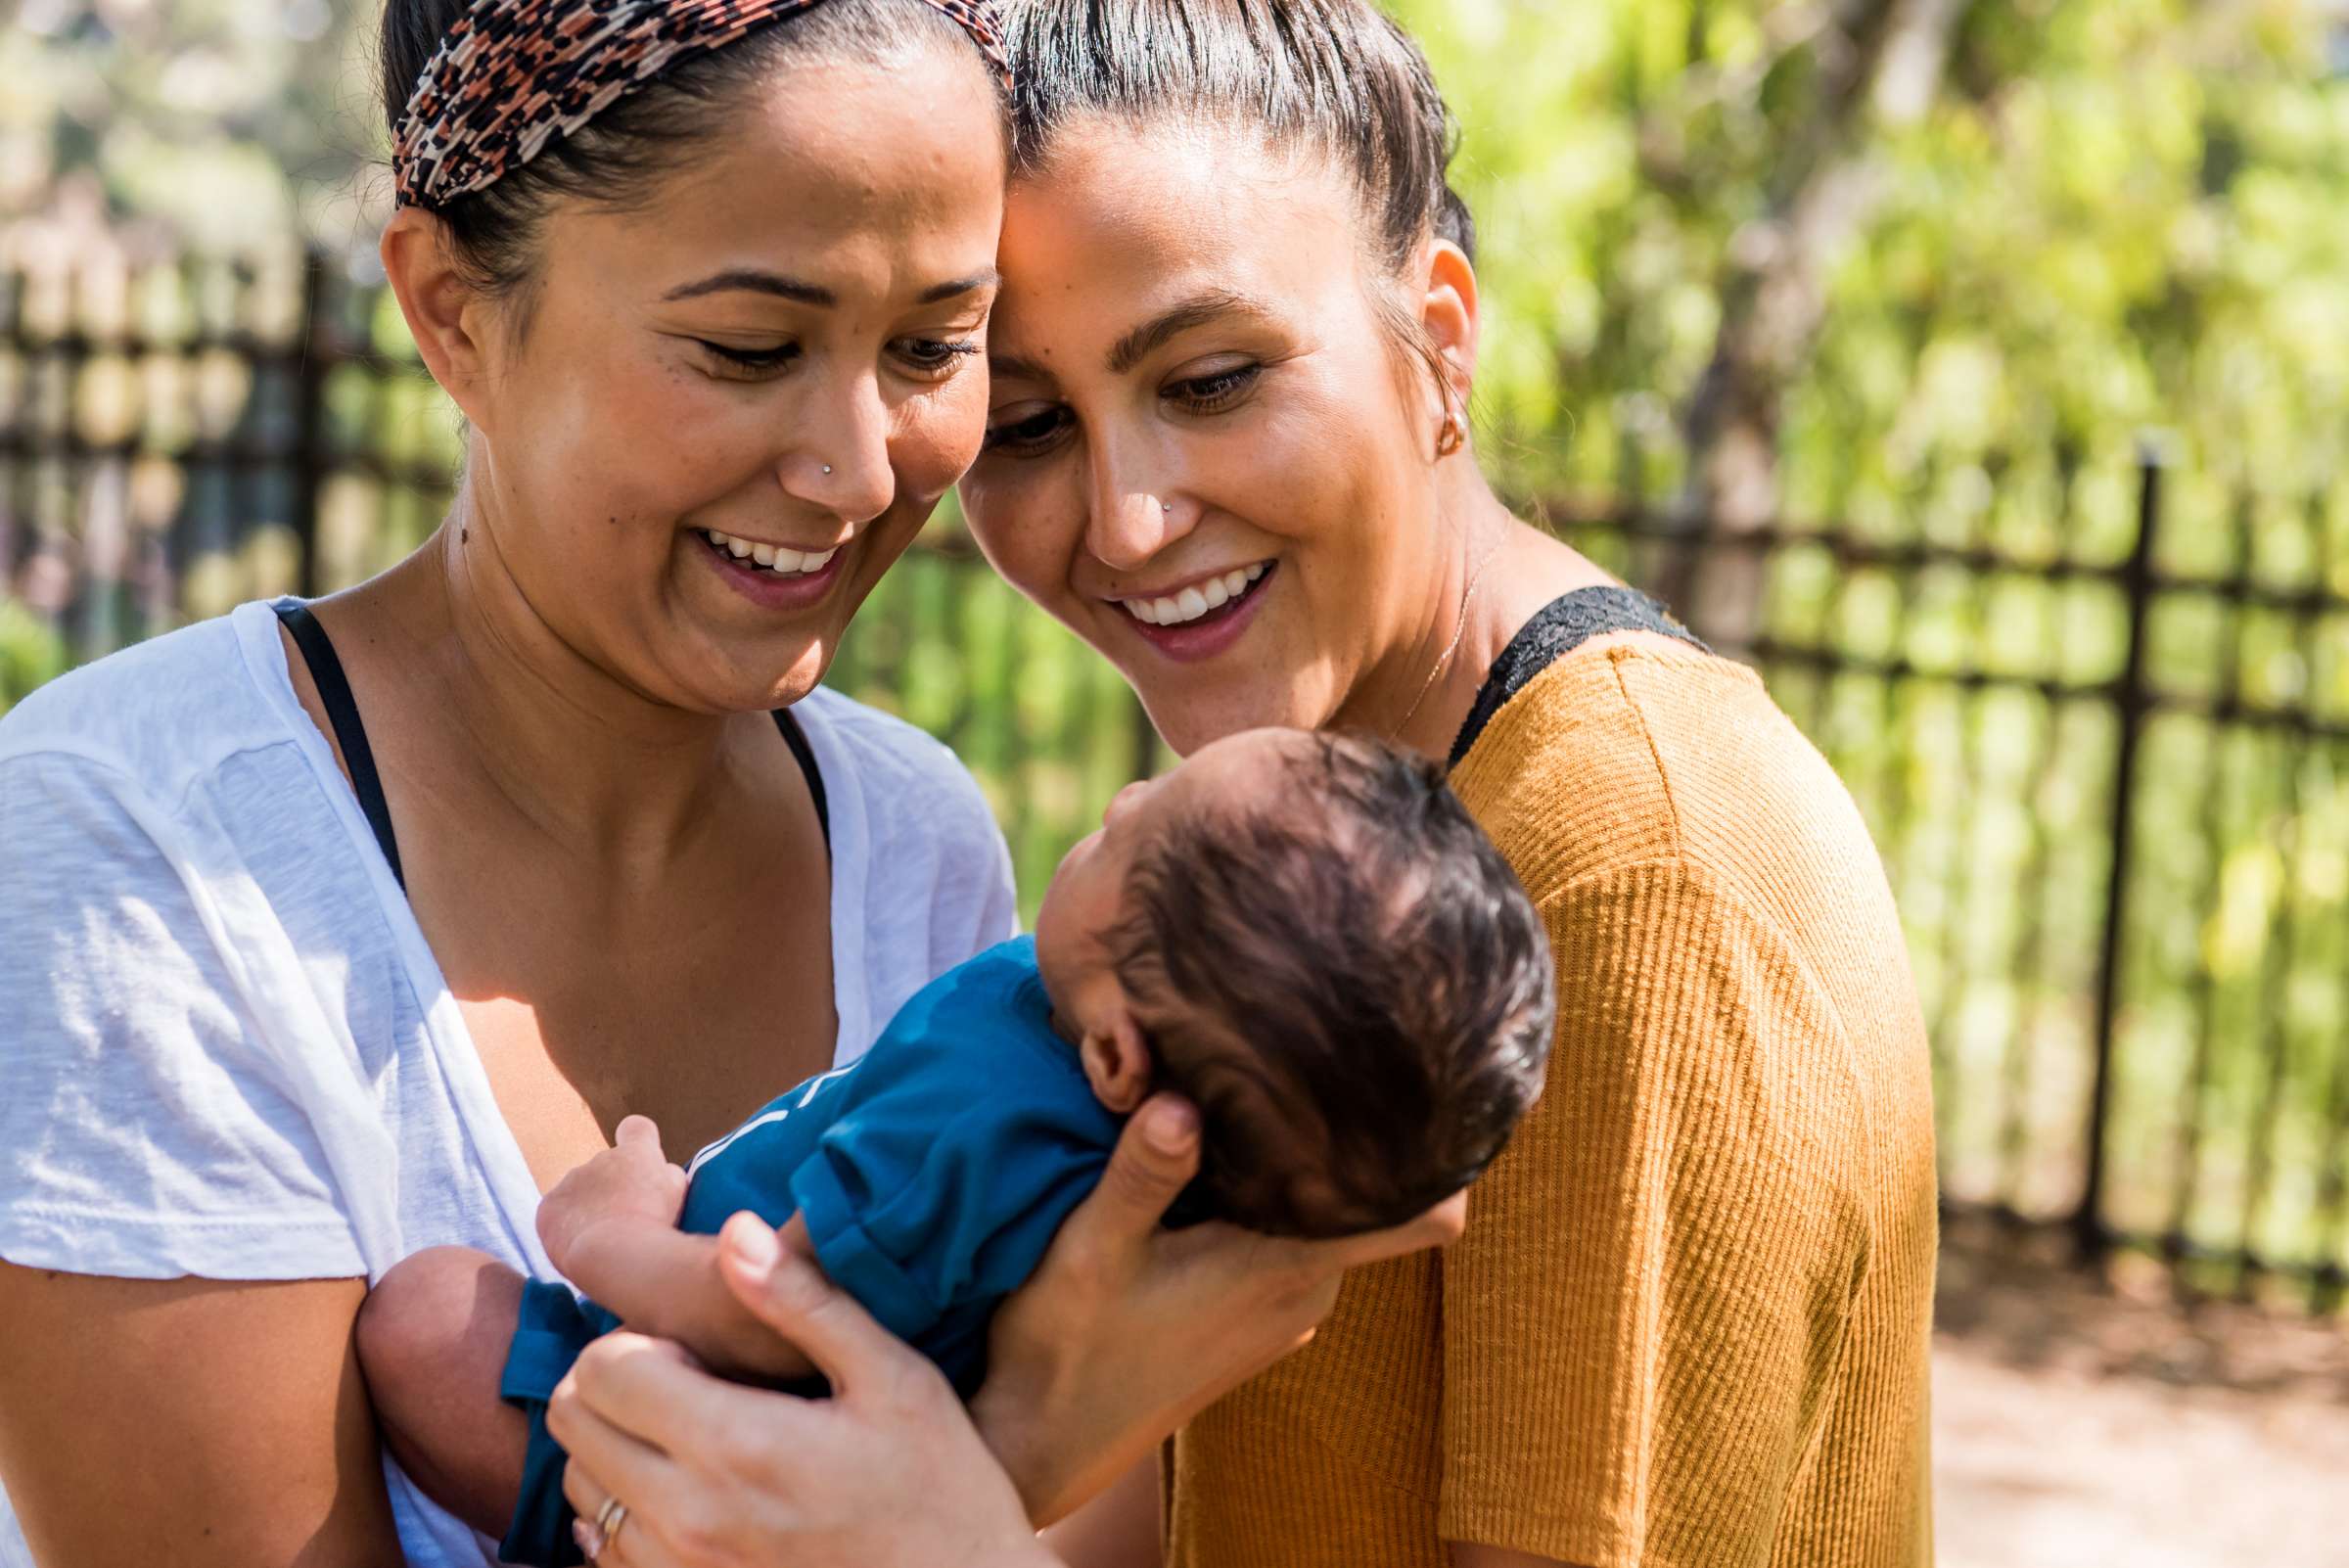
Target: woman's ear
[1117, 1063]
[1448, 312]
[448, 317]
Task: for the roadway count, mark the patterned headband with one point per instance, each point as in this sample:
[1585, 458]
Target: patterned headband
[514, 75]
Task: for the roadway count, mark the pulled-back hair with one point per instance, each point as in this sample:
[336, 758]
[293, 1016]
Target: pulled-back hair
[1349, 983]
[621, 156]
[1337, 76]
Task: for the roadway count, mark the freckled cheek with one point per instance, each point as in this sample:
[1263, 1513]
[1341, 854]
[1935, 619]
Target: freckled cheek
[924, 471]
[938, 436]
[644, 444]
[1286, 476]
[1320, 491]
[1030, 516]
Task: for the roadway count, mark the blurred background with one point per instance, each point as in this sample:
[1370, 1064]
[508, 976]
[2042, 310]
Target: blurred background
[1975, 368]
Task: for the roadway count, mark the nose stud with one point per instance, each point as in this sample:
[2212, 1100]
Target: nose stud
[1167, 507]
[827, 468]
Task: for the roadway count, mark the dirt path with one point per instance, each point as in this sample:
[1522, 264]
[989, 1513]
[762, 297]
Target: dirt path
[2079, 1424]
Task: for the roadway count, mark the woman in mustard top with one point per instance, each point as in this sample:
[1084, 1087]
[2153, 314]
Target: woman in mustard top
[1688, 1321]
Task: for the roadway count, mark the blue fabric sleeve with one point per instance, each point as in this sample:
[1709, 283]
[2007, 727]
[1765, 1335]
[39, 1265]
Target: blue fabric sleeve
[551, 1329]
[917, 1216]
[898, 1301]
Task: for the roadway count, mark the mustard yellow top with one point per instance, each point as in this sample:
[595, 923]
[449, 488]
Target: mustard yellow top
[1689, 1322]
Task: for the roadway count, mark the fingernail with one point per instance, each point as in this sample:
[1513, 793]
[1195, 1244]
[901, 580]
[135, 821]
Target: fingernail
[592, 1544]
[1169, 1126]
[753, 1243]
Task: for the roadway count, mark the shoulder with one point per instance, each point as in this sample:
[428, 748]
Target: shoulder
[1003, 985]
[1631, 753]
[961, 1023]
[909, 781]
[971, 1068]
[1720, 921]
[884, 748]
[977, 1045]
[1566, 777]
[181, 921]
[1658, 805]
[159, 715]
[915, 841]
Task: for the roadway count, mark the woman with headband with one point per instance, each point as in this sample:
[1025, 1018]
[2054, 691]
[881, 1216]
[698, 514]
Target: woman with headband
[1688, 1322]
[338, 931]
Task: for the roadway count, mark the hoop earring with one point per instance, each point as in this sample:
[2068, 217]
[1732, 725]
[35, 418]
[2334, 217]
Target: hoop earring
[1451, 437]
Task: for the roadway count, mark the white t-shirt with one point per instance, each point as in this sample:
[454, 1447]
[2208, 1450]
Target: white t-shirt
[225, 1049]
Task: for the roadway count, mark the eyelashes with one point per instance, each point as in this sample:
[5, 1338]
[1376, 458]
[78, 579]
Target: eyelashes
[1034, 434]
[1213, 394]
[756, 361]
[940, 354]
[929, 358]
[1027, 436]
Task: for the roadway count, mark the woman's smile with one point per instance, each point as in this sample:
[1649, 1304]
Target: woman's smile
[773, 576]
[1199, 619]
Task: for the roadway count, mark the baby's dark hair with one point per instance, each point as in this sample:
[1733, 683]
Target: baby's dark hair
[1349, 983]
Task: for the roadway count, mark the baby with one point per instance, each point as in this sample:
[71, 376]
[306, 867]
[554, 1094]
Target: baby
[1305, 934]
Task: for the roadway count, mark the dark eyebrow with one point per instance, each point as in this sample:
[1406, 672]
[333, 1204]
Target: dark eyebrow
[1006, 368]
[754, 281]
[1193, 312]
[938, 294]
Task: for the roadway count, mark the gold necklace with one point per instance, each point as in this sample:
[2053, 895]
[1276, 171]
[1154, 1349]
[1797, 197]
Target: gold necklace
[1458, 632]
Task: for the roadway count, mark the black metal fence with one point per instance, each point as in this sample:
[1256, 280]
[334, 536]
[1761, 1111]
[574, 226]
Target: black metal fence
[2095, 708]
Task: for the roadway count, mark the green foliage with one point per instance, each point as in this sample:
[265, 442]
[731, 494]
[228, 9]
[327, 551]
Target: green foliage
[31, 653]
[2114, 213]
[230, 124]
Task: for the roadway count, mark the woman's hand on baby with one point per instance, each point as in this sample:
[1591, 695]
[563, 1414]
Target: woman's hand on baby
[886, 1473]
[630, 1180]
[1128, 1329]
[1124, 1333]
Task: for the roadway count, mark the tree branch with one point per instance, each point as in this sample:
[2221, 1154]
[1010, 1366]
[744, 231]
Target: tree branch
[1880, 66]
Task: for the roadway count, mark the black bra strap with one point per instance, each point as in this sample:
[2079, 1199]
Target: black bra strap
[1559, 628]
[796, 738]
[343, 712]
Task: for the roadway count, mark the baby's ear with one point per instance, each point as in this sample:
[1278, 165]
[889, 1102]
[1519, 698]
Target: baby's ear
[1117, 1063]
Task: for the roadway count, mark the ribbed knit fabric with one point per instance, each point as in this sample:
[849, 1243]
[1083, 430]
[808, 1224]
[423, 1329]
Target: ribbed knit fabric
[1688, 1323]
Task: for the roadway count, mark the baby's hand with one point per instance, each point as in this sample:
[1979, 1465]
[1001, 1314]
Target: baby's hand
[631, 1179]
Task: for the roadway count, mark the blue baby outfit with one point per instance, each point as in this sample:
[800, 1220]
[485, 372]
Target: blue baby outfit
[933, 1173]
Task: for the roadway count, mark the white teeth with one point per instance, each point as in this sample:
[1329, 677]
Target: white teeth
[781, 560]
[1193, 602]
